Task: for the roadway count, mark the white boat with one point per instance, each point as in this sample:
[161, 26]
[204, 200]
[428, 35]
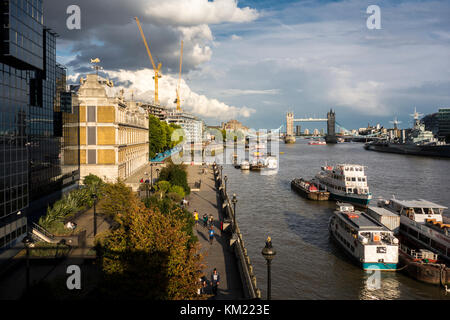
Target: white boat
[368, 242]
[345, 182]
[245, 165]
[422, 222]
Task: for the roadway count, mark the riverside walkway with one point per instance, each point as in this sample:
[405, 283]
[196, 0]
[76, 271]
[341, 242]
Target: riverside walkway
[219, 255]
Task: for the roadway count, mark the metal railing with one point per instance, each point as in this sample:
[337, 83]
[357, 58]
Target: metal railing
[43, 231]
[245, 267]
[417, 254]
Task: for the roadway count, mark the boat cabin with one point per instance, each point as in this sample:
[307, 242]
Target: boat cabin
[418, 210]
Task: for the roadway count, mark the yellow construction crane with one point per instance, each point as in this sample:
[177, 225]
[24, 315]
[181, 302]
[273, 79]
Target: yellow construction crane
[177, 100]
[156, 69]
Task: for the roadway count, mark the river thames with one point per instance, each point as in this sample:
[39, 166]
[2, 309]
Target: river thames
[308, 264]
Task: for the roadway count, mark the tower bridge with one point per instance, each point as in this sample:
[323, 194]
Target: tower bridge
[330, 120]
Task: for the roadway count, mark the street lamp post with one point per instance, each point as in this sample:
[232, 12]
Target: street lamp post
[225, 179]
[157, 173]
[146, 188]
[234, 201]
[221, 171]
[151, 175]
[94, 197]
[268, 253]
[27, 241]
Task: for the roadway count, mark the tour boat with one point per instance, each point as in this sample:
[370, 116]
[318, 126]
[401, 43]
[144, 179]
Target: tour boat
[309, 189]
[368, 242]
[245, 165]
[422, 223]
[425, 239]
[345, 182]
[317, 142]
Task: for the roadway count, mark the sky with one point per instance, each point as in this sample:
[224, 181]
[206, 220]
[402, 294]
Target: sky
[255, 60]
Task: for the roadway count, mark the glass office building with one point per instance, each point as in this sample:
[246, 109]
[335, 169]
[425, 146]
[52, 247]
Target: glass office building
[444, 123]
[32, 138]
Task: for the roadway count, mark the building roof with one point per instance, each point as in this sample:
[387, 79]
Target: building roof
[420, 203]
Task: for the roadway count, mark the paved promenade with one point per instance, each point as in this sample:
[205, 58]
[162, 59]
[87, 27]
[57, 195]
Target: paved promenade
[218, 255]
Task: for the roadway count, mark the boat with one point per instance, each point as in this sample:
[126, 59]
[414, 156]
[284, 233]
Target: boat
[317, 142]
[413, 141]
[425, 239]
[289, 139]
[309, 190]
[368, 242]
[345, 182]
[245, 165]
[257, 164]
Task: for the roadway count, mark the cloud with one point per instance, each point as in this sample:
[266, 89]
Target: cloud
[237, 92]
[142, 84]
[108, 31]
[196, 12]
[235, 37]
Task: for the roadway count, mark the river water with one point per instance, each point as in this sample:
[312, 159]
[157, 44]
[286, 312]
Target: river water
[308, 264]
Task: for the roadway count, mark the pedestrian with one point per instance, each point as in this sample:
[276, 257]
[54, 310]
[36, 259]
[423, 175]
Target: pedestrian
[211, 235]
[196, 217]
[205, 220]
[215, 281]
[204, 283]
[211, 220]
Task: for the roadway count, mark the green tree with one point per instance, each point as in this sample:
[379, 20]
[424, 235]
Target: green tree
[117, 200]
[157, 136]
[149, 257]
[176, 174]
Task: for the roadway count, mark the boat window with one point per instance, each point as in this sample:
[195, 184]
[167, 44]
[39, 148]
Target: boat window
[363, 179]
[428, 210]
[353, 179]
[418, 211]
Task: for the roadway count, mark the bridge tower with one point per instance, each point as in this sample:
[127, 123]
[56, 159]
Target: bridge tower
[290, 138]
[331, 127]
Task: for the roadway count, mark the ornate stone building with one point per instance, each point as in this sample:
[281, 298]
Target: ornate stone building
[113, 132]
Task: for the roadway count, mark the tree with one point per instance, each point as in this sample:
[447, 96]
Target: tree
[150, 257]
[117, 201]
[176, 174]
[157, 136]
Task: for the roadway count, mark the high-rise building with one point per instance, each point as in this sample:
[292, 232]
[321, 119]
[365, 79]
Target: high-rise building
[444, 123]
[30, 148]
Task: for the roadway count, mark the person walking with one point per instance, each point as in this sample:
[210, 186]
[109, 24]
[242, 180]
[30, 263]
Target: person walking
[211, 235]
[215, 281]
[196, 217]
[205, 220]
[211, 220]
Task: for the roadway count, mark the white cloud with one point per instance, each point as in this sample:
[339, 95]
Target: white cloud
[236, 37]
[237, 92]
[143, 85]
[197, 12]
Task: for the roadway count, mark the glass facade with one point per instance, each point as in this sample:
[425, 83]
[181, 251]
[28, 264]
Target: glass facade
[444, 123]
[23, 31]
[39, 133]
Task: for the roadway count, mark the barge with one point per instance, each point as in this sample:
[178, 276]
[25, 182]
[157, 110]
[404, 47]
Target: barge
[309, 190]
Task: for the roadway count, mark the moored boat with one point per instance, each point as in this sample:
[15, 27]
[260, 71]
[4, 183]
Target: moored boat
[309, 189]
[367, 241]
[317, 142]
[425, 238]
[345, 182]
[245, 165]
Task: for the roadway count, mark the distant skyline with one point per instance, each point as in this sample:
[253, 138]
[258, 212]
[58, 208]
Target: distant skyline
[255, 60]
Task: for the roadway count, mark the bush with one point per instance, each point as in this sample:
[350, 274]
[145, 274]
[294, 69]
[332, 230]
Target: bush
[176, 174]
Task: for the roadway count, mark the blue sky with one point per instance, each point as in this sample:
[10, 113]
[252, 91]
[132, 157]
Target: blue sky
[259, 59]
